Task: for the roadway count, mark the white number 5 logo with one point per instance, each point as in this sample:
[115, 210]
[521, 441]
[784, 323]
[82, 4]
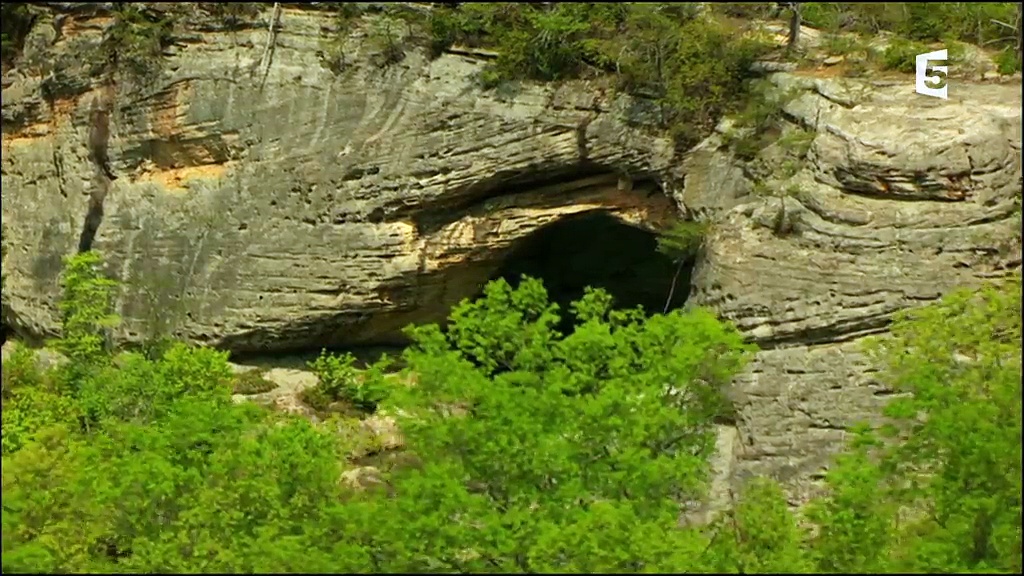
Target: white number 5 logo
[931, 80]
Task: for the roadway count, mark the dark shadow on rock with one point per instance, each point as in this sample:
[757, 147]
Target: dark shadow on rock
[597, 250]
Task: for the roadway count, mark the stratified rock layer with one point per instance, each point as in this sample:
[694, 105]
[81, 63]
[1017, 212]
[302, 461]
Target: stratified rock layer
[261, 201]
[900, 199]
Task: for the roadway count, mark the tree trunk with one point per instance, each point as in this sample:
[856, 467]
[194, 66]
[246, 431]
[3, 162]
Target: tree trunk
[794, 26]
[1020, 31]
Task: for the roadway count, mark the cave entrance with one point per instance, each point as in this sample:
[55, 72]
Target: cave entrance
[596, 249]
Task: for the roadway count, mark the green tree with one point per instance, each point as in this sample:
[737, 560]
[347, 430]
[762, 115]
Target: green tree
[86, 308]
[759, 535]
[855, 526]
[958, 472]
[537, 451]
[535, 439]
[938, 489]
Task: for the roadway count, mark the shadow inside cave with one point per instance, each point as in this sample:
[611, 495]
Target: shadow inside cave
[593, 249]
[596, 249]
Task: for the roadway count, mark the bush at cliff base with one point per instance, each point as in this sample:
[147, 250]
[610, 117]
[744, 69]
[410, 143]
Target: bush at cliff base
[533, 451]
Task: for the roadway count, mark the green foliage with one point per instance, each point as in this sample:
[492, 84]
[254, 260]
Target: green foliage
[533, 42]
[334, 54]
[937, 492]
[1008, 61]
[694, 68]
[795, 145]
[900, 55]
[32, 401]
[842, 44]
[569, 453]
[387, 35]
[339, 380]
[86, 310]
[134, 43]
[210, 486]
[16, 20]
[752, 10]
[760, 535]
[530, 451]
[855, 527]
[391, 30]
[961, 362]
[759, 122]
[683, 239]
[925, 22]
[696, 71]
[114, 392]
[252, 382]
[559, 436]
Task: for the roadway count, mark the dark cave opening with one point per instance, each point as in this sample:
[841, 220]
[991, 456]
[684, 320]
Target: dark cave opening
[593, 249]
[596, 249]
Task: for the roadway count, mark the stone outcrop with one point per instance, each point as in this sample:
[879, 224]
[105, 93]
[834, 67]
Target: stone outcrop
[303, 208]
[259, 200]
[900, 199]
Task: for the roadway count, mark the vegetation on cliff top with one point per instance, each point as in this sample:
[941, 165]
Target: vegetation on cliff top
[532, 451]
[692, 60]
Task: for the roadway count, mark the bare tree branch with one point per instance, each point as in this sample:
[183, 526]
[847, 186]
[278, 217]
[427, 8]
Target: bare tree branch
[1010, 26]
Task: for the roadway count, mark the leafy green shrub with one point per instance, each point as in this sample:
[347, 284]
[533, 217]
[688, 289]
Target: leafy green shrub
[972, 22]
[683, 239]
[822, 15]
[937, 489]
[32, 401]
[252, 382]
[536, 451]
[797, 142]
[1008, 61]
[693, 67]
[141, 390]
[759, 121]
[340, 380]
[751, 10]
[134, 43]
[16, 19]
[532, 42]
[86, 308]
[900, 55]
[702, 72]
[559, 437]
[333, 48]
[208, 484]
[759, 535]
[855, 526]
[388, 36]
[155, 348]
[841, 44]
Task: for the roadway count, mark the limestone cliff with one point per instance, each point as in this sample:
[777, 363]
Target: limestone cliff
[252, 197]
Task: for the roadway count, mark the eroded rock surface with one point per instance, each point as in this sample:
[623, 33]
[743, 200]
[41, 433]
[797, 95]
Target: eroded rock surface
[303, 208]
[261, 203]
[900, 199]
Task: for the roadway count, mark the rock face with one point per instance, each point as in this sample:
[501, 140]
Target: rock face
[251, 198]
[304, 208]
[899, 199]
